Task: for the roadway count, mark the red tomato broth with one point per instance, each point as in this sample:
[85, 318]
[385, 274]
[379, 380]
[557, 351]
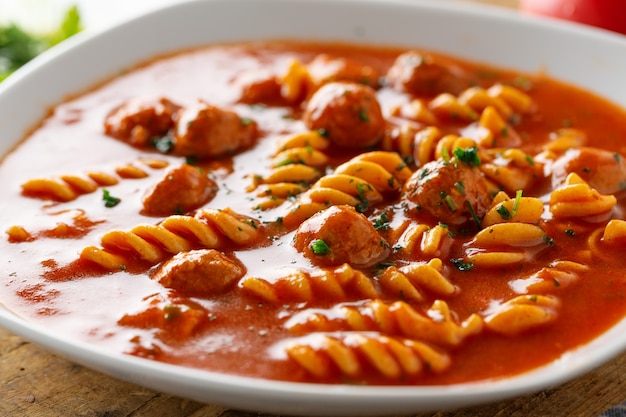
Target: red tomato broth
[240, 333]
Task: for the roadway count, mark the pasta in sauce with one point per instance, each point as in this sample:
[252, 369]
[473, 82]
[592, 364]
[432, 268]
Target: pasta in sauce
[322, 213]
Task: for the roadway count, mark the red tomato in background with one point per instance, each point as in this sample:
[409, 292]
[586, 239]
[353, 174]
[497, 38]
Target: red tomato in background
[607, 14]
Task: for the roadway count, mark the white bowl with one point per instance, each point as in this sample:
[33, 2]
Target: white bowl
[592, 59]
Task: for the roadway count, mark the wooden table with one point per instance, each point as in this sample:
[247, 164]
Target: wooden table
[35, 382]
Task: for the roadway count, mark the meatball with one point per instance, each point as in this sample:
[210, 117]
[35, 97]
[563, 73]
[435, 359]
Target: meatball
[200, 273]
[453, 192]
[601, 169]
[260, 87]
[340, 235]
[324, 69]
[348, 113]
[425, 75]
[181, 190]
[206, 131]
[137, 121]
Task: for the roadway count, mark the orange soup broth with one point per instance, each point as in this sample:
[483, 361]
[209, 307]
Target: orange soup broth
[45, 282]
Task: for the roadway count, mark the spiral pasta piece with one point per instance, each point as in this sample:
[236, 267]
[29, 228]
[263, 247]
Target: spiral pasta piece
[577, 199]
[416, 110]
[359, 182]
[66, 188]
[510, 169]
[298, 162]
[351, 354]
[614, 232]
[296, 81]
[447, 105]
[209, 228]
[523, 313]
[18, 234]
[436, 326]
[557, 275]
[506, 210]
[410, 281]
[421, 238]
[505, 244]
[340, 283]
[564, 139]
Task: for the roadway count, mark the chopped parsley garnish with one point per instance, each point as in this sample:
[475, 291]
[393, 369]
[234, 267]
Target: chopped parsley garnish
[171, 312]
[460, 187]
[518, 199]
[382, 222]
[468, 156]
[461, 265]
[382, 266]
[504, 213]
[191, 160]
[363, 203]
[445, 155]
[319, 247]
[473, 213]
[164, 144]
[570, 232]
[109, 200]
[363, 116]
[323, 133]
[450, 203]
[284, 162]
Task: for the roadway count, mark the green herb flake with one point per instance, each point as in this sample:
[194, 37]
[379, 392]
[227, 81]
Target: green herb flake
[171, 312]
[450, 203]
[468, 156]
[109, 200]
[504, 213]
[460, 187]
[518, 199]
[164, 144]
[319, 247]
[570, 232]
[470, 208]
[445, 155]
[382, 222]
[284, 162]
[461, 265]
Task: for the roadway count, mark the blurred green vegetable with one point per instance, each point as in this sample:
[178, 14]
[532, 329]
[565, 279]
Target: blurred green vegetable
[17, 46]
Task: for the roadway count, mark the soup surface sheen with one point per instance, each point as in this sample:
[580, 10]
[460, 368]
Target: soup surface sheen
[322, 213]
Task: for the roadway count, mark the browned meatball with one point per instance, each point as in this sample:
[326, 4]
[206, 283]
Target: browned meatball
[453, 192]
[325, 69]
[603, 170]
[260, 87]
[425, 75]
[340, 235]
[206, 131]
[137, 121]
[199, 273]
[348, 113]
[181, 190]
